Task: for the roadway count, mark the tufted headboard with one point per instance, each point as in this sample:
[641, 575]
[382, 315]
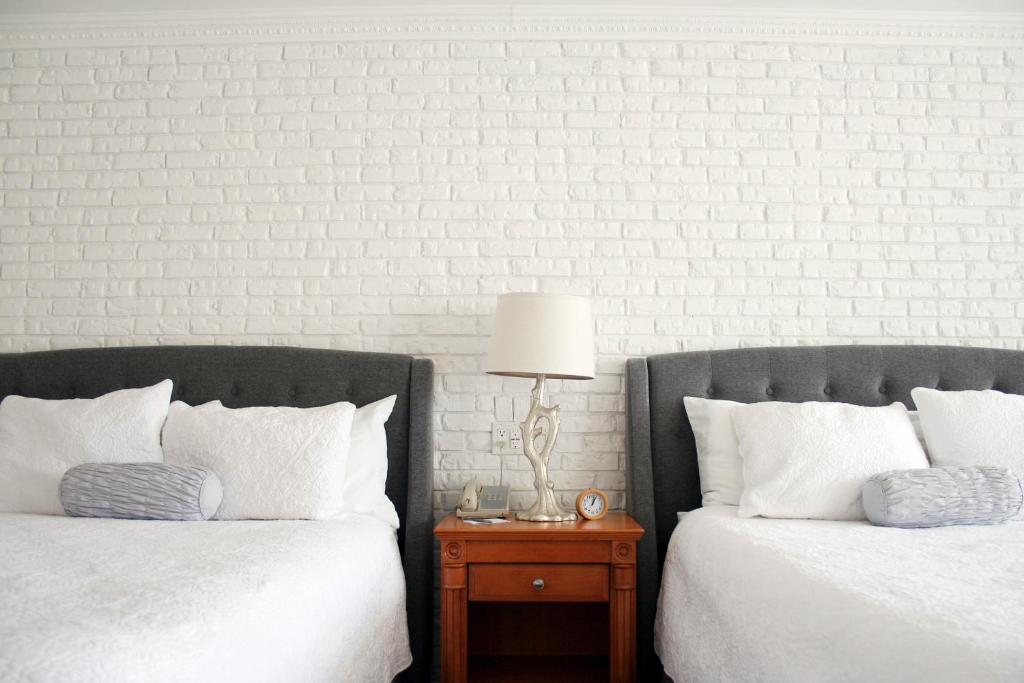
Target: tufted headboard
[243, 376]
[662, 458]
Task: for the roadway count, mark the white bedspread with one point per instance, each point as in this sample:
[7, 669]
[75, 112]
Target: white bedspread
[111, 600]
[799, 600]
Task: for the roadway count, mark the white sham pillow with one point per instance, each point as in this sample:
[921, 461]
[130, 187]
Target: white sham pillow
[965, 428]
[273, 462]
[811, 460]
[915, 419]
[367, 471]
[41, 439]
[718, 450]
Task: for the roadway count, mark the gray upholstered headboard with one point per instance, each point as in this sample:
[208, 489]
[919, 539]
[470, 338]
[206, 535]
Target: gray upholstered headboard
[662, 457]
[280, 376]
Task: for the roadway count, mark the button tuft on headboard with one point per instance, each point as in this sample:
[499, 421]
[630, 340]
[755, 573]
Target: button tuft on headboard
[827, 390]
[882, 388]
[293, 392]
[770, 391]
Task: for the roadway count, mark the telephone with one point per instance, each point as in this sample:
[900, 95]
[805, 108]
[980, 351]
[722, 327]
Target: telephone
[483, 501]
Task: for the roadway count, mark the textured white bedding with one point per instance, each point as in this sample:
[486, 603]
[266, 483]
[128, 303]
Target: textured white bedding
[115, 600]
[807, 600]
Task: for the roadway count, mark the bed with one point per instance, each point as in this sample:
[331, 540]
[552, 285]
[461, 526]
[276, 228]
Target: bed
[344, 599]
[851, 595]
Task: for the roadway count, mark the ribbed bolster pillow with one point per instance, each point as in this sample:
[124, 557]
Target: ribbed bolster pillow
[140, 491]
[942, 496]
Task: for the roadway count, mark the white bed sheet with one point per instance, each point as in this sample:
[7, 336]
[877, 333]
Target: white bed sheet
[800, 600]
[112, 600]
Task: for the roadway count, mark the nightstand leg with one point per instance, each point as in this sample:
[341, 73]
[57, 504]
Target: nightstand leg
[454, 646]
[622, 612]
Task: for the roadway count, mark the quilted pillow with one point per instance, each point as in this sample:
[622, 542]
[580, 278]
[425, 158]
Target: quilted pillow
[718, 451]
[942, 496]
[41, 439]
[810, 460]
[274, 462]
[140, 491]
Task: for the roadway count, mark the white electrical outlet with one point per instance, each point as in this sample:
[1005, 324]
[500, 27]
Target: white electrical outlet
[515, 441]
[505, 438]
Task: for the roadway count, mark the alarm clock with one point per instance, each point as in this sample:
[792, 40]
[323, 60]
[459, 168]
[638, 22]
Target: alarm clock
[592, 504]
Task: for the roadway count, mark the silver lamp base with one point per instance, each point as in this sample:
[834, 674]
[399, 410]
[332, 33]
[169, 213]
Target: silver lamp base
[562, 516]
[546, 508]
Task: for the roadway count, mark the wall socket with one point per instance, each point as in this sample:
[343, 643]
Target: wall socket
[505, 438]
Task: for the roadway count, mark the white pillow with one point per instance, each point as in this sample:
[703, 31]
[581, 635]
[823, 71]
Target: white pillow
[718, 451]
[966, 428]
[367, 470]
[41, 439]
[273, 462]
[811, 460]
[915, 419]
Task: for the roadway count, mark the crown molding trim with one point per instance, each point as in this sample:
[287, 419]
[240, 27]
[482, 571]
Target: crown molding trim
[550, 22]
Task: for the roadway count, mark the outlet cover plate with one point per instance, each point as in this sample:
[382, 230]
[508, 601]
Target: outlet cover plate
[506, 439]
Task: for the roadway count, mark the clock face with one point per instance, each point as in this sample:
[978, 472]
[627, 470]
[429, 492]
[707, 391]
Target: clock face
[592, 504]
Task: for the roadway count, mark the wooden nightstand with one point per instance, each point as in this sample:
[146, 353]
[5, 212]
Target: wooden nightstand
[538, 601]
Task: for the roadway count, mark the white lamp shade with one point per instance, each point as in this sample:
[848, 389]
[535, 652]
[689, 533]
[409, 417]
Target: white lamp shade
[542, 334]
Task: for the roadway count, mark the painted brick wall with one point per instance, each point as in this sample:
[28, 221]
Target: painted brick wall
[378, 194]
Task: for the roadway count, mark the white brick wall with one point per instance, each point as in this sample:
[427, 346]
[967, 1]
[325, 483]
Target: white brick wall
[378, 194]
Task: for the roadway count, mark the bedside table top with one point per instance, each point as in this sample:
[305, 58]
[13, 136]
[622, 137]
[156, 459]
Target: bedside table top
[614, 525]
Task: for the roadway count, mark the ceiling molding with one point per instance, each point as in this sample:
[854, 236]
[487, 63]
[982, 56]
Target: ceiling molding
[551, 22]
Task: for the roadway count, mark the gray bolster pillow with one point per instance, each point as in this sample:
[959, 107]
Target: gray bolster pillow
[942, 496]
[140, 491]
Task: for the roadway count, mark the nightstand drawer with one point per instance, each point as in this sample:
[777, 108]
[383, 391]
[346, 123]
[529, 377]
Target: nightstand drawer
[538, 582]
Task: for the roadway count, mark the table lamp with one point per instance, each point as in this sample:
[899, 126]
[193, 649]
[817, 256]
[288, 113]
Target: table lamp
[540, 336]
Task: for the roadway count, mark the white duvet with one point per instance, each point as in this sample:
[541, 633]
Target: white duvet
[113, 600]
[801, 600]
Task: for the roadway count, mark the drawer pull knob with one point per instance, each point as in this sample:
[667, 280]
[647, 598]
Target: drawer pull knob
[538, 584]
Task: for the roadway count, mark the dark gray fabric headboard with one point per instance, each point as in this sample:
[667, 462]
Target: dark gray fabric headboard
[662, 458]
[243, 376]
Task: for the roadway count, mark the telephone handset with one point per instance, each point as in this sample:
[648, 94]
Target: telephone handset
[483, 501]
